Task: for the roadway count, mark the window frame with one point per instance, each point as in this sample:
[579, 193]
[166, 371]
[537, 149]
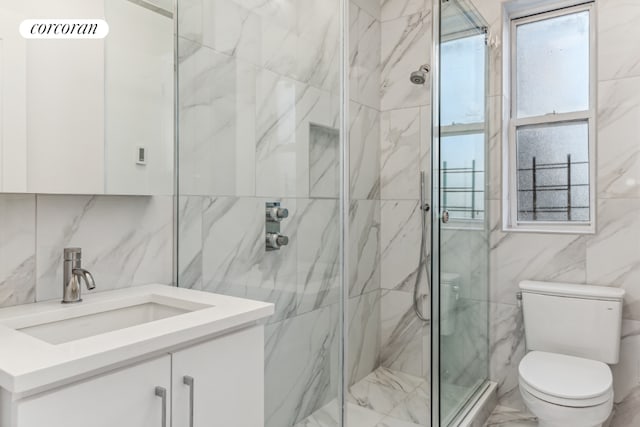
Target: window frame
[473, 128]
[510, 201]
[476, 128]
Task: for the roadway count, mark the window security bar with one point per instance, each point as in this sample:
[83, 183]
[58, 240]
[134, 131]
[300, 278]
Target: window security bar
[539, 188]
[471, 189]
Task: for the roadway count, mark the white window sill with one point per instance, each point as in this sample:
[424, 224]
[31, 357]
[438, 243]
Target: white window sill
[563, 228]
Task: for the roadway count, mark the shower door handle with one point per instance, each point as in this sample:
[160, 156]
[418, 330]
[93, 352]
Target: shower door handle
[445, 216]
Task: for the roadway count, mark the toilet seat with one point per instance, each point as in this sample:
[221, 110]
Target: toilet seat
[566, 380]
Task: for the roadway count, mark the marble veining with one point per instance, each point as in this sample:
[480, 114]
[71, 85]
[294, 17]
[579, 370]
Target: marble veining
[285, 108]
[213, 136]
[298, 386]
[532, 256]
[464, 342]
[365, 246]
[236, 262]
[506, 349]
[617, 29]
[364, 335]
[190, 235]
[364, 150]
[372, 7]
[401, 334]
[400, 236]
[301, 277]
[384, 398]
[611, 255]
[17, 249]
[318, 46]
[121, 247]
[619, 159]
[299, 41]
[392, 9]
[318, 263]
[405, 47]
[506, 417]
[399, 164]
[365, 60]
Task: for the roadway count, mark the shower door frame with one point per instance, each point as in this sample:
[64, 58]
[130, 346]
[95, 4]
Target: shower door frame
[435, 217]
[436, 175]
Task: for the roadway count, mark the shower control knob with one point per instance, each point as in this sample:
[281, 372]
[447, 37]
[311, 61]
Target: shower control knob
[277, 214]
[276, 241]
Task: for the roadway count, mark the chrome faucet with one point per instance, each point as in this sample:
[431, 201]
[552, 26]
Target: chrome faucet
[73, 275]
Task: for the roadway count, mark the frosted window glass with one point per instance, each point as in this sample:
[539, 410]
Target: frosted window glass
[463, 175]
[552, 65]
[549, 187]
[463, 81]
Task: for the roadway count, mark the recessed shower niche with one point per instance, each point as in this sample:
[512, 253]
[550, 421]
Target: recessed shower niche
[324, 161]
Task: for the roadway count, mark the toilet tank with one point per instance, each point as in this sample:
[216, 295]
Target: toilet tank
[577, 320]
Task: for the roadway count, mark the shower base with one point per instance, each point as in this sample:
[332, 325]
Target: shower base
[384, 398]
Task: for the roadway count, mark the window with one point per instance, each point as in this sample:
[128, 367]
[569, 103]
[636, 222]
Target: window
[551, 138]
[462, 129]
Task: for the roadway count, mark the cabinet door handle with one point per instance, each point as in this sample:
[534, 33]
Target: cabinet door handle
[162, 393]
[188, 381]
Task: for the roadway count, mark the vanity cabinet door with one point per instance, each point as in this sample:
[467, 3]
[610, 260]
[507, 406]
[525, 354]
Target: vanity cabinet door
[124, 398]
[224, 381]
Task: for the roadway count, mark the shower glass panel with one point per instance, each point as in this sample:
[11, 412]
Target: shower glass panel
[260, 113]
[461, 166]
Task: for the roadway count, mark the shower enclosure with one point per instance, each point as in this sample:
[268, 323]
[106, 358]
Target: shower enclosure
[460, 223]
[308, 106]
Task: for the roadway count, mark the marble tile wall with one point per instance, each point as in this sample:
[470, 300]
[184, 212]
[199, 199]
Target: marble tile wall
[610, 257]
[254, 76]
[125, 241]
[364, 339]
[405, 134]
[259, 110]
[224, 252]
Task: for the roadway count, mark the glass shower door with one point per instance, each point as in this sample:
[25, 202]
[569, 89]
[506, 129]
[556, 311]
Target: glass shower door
[461, 217]
[261, 127]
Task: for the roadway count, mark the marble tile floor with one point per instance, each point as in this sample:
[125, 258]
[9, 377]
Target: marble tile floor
[507, 417]
[387, 398]
[384, 398]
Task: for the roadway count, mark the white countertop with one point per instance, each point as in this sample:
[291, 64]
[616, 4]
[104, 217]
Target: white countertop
[29, 364]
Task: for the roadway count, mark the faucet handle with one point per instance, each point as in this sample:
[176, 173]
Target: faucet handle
[72, 254]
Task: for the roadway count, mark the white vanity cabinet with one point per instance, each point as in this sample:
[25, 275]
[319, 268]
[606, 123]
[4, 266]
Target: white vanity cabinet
[228, 382]
[224, 387]
[124, 398]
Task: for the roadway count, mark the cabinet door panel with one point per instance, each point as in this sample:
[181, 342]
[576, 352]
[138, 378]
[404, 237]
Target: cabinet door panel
[228, 381]
[125, 398]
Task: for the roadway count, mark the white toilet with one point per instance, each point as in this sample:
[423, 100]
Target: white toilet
[572, 333]
[449, 295]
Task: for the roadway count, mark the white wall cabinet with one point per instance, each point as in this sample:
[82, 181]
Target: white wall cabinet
[227, 390]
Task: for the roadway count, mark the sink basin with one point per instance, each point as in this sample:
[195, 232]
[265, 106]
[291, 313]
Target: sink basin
[46, 343]
[62, 331]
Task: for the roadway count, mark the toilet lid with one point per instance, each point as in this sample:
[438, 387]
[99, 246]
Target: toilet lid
[566, 377]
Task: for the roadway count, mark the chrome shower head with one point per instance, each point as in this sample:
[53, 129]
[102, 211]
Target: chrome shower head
[420, 77]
